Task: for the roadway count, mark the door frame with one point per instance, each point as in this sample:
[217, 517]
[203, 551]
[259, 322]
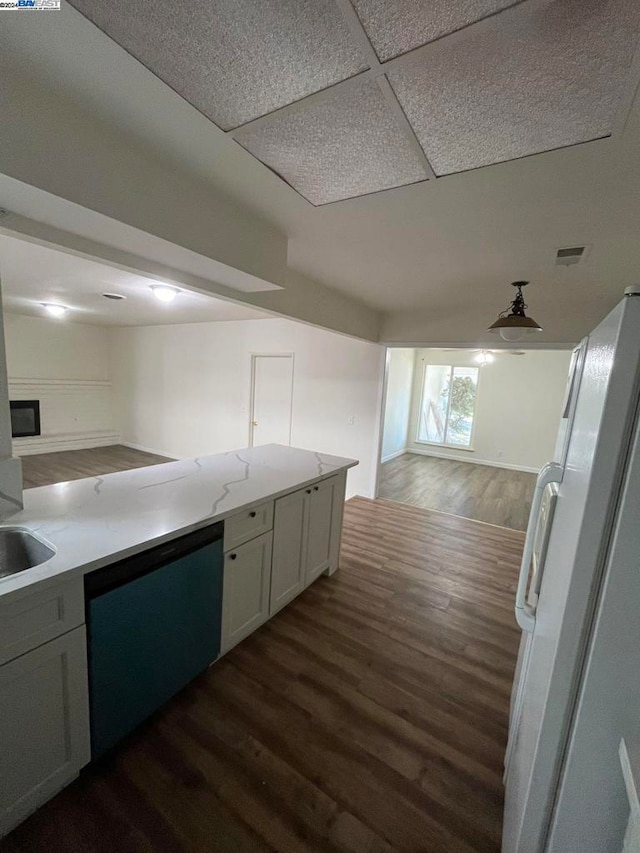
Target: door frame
[252, 387]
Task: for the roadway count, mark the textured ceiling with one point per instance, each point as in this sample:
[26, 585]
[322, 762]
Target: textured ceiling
[397, 26]
[304, 84]
[365, 151]
[234, 60]
[541, 78]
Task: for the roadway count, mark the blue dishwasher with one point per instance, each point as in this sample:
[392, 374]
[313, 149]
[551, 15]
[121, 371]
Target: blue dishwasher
[153, 624]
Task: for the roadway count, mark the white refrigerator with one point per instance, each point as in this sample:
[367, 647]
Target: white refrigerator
[577, 687]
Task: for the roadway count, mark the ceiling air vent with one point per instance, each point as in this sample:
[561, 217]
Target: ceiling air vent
[114, 296]
[572, 255]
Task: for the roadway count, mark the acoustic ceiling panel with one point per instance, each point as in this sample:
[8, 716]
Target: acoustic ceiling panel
[342, 146]
[234, 60]
[538, 78]
[397, 26]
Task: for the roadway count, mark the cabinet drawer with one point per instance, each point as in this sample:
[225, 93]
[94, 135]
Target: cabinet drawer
[32, 618]
[247, 524]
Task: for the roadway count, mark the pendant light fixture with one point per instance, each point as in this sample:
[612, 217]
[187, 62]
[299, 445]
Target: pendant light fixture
[512, 323]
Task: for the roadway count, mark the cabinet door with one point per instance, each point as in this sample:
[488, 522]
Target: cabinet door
[320, 527]
[245, 596]
[288, 564]
[44, 724]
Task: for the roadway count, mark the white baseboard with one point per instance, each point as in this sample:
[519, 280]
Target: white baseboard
[52, 443]
[395, 455]
[145, 449]
[459, 458]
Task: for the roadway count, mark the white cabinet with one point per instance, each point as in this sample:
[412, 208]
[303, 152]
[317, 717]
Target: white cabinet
[324, 503]
[306, 538]
[245, 595]
[264, 574]
[44, 724]
[288, 563]
[248, 524]
[29, 619]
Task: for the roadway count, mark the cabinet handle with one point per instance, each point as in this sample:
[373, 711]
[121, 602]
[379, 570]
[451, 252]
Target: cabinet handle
[308, 491]
[315, 488]
[232, 556]
[252, 514]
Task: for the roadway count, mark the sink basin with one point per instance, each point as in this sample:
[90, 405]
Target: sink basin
[20, 549]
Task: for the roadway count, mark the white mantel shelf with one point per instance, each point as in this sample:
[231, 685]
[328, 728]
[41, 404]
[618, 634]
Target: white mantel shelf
[98, 520]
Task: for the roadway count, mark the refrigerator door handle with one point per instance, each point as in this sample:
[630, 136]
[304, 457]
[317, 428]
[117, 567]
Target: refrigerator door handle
[525, 614]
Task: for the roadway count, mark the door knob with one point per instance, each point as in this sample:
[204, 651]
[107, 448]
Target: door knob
[254, 423]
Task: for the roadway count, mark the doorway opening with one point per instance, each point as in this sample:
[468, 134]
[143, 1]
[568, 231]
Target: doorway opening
[466, 431]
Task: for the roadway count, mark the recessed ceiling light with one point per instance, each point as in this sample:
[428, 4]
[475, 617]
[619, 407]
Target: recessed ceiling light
[115, 296]
[164, 292]
[54, 309]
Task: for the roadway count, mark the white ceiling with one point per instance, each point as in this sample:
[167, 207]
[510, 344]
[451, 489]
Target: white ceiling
[32, 274]
[437, 257]
[342, 99]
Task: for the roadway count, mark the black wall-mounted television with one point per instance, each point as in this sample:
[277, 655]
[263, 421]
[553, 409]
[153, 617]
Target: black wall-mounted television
[25, 418]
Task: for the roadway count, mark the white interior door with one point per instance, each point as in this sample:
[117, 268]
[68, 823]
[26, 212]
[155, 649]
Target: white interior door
[271, 399]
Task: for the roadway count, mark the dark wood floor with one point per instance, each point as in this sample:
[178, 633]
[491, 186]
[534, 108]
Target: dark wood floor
[482, 492]
[369, 716]
[44, 469]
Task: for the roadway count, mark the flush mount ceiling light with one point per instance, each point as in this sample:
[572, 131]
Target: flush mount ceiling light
[54, 309]
[164, 292]
[484, 357]
[512, 323]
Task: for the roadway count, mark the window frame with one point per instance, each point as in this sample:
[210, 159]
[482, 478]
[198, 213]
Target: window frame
[469, 448]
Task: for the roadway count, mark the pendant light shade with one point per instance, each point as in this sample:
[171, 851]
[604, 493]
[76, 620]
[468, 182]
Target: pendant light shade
[513, 324]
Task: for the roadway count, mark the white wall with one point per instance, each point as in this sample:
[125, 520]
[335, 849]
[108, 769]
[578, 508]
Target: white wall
[65, 366]
[397, 402]
[130, 192]
[10, 467]
[518, 407]
[184, 390]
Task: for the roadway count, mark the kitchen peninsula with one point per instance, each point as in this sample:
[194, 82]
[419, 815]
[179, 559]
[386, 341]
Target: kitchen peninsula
[157, 572]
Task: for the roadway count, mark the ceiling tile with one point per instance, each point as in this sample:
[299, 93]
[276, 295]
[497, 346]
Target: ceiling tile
[234, 60]
[396, 26]
[531, 80]
[343, 146]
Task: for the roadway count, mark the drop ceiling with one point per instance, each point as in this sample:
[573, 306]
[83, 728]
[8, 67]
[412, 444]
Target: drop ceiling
[32, 274]
[344, 99]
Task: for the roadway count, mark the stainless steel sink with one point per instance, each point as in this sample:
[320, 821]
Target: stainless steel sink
[20, 549]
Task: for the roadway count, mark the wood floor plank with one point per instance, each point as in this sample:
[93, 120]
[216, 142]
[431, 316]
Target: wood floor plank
[481, 492]
[44, 469]
[368, 716]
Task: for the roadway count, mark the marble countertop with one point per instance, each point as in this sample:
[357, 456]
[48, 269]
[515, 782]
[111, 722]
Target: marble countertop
[98, 520]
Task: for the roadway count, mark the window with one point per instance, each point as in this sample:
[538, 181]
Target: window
[448, 404]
